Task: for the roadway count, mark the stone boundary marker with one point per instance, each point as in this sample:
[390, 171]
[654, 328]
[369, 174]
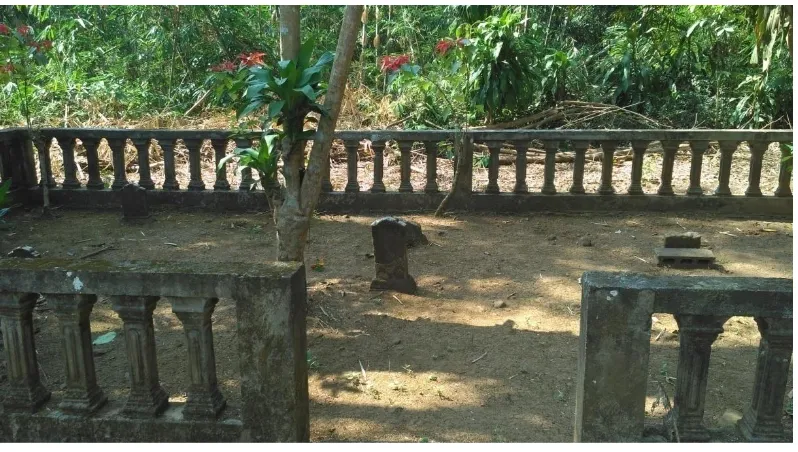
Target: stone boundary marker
[271, 305]
[615, 340]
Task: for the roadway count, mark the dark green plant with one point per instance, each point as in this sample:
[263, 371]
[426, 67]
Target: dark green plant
[4, 188]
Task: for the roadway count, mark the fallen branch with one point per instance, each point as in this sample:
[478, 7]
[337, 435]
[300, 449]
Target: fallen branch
[94, 253]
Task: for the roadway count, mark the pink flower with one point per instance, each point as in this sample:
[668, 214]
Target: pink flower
[23, 30]
[4, 30]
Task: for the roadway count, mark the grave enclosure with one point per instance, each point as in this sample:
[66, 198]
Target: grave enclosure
[271, 302]
[18, 164]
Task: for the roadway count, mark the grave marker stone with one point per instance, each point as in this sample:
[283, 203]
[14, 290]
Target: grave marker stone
[390, 256]
[134, 203]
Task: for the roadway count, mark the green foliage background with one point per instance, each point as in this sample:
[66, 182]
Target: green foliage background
[686, 66]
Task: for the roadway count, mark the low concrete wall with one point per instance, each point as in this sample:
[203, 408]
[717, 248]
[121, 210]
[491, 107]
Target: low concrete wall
[271, 307]
[394, 202]
[614, 344]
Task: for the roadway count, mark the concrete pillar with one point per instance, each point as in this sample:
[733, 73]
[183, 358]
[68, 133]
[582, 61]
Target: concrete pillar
[83, 396]
[25, 392]
[204, 399]
[147, 398]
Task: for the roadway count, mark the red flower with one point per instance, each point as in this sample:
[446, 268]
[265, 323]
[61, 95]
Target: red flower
[252, 58]
[7, 68]
[4, 30]
[393, 63]
[443, 46]
[225, 66]
[23, 30]
[43, 45]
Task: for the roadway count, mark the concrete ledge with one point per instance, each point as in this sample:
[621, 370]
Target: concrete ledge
[700, 295]
[395, 202]
[164, 279]
[108, 426]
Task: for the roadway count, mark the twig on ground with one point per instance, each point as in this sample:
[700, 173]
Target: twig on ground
[397, 299]
[727, 233]
[480, 357]
[362, 370]
[328, 315]
[641, 259]
[94, 253]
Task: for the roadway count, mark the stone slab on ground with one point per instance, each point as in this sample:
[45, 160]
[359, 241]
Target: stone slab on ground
[683, 240]
[685, 257]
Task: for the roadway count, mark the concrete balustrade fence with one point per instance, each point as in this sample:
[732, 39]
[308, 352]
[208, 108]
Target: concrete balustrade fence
[614, 343]
[17, 160]
[270, 304]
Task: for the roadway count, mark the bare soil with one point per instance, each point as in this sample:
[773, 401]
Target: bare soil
[442, 365]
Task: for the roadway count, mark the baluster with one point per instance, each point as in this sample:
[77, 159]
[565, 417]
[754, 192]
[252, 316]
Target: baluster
[352, 185]
[45, 144]
[521, 148]
[204, 399]
[606, 188]
[70, 168]
[493, 167]
[219, 149]
[246, 173]
[25, 392]
[147, 398]
[118, 146]
[727, 149]
[783, 190]
[696, 335]
[431, 150]
[669, 149]
[194, 147]
[580, 149]
[404, 149]
[697, 150]
[326, 184]
[170, 178]
[143, 150]
[762, 419]
[95, 181]
[639, 153]
[550, 147]
[758, 149]
[82, 396]
[379, 148]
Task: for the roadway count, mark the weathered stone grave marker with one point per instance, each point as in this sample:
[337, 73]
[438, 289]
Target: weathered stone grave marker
[134, 204]
[390, 256]
[683, 250]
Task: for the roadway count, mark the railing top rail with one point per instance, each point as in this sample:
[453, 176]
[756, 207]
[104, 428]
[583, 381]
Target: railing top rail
[699, 295]
[441, 135]
[142, 278]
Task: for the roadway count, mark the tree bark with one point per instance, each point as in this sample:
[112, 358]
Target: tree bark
[300, 200]
[289, 32]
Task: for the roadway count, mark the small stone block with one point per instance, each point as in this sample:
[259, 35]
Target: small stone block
[134, 203]
[685, 257]
[683, 240]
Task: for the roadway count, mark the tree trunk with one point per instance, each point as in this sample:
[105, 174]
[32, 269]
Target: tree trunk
[289, 32]
[463, 177]
[300, 199]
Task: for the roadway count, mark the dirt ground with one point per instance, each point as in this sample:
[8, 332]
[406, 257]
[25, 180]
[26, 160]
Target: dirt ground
[444, 365]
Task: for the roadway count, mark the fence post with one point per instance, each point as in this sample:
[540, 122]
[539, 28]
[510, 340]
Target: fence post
[612, 373]
[271, 319]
